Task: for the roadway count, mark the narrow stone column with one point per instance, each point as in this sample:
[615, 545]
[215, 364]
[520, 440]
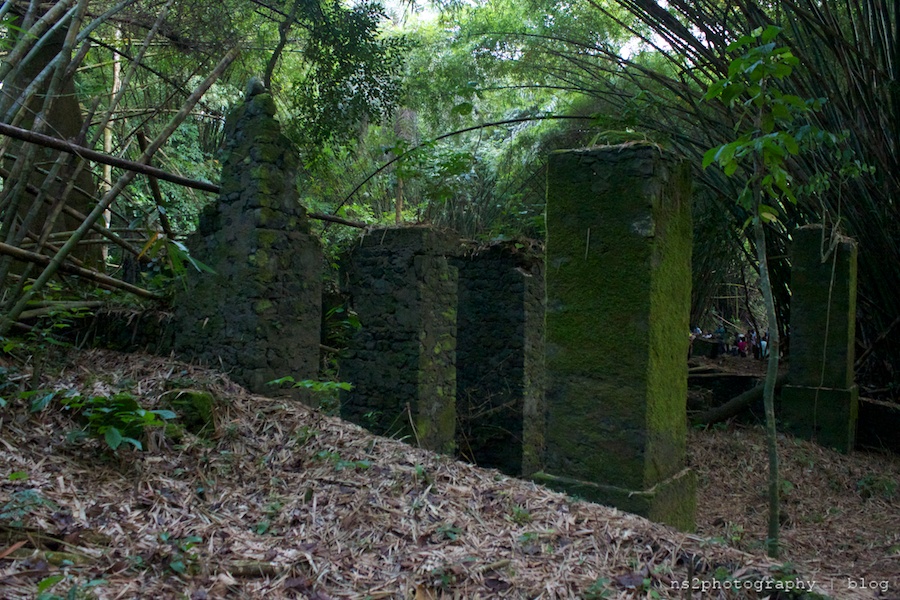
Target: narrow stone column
[402, 362]
[618, 277]
[258, 314]
[499, 357]
[822, 401]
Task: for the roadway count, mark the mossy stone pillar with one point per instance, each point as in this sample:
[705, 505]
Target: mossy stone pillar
[618, 280]
[402, 361]
[822, 402]
[258, 314]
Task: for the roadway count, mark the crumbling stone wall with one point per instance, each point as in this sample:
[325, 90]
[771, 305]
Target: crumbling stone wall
[258, 314]
[402, 362]
[499, 357]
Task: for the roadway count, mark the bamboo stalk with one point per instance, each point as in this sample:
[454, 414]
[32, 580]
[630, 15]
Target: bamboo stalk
[90, 274]
[57, 261]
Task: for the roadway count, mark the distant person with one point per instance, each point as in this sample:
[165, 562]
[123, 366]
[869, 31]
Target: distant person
[764, 345]
[742, 346]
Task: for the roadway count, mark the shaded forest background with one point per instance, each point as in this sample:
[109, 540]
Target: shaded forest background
[441, 114]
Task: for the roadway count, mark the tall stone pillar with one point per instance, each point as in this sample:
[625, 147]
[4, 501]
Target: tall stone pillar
[258, 314]
[402, 362]
[822, 402]
[618, 280]
[499, 358]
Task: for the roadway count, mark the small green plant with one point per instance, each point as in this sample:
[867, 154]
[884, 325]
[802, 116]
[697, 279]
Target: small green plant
[520, 516]
[21, 504]
[339, 463]
[598, 590]
[39, 399]
[448, 531]
[116, 419]
[76, 592]
[327, 391]
[529, 537]
[877, 486]
[183, 559]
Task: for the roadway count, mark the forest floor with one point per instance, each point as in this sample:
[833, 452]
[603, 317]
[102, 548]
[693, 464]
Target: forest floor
[281, 501]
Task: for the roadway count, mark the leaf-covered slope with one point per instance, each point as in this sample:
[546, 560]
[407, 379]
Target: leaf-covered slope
[283, 501]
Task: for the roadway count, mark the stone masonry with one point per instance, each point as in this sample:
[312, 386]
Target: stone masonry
[403, 359]
[258, 315]
[499, 357]
[822, 401]
[618, 277]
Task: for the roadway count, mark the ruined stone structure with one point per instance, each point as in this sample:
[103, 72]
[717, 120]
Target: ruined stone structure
[618, 298]
[449, 352]
[403, 360]
[258, 314]
[822, 401]
[499, 358]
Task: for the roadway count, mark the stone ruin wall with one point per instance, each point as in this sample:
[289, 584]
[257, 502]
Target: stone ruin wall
[499, 355]
[258, 313]
[449, 350]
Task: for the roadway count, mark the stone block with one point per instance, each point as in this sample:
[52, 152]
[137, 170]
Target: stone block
[826, 416]
[823, 301]
[671, 501]
[618, 281]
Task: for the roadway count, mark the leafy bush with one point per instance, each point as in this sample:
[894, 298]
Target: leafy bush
[117, 419]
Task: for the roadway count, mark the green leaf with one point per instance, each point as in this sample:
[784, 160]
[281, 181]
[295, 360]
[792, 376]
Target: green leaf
[164, 414]
[48, 582]
[709, 156]
[41, 402]
[113, 437]
[137, 445]
[17, 475]
[178, 566]
[462, 109]
[770, 33]
[791, 145]
[730, 168]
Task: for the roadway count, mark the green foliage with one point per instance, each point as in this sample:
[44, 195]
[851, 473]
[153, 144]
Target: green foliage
[520, 515]
[877, 486]
[21, 504]
[598, 590]
[79, 591]
[327, 391]
[182, 559]
[116, 419]
[776, 124]
[168, 262]
[448, 531]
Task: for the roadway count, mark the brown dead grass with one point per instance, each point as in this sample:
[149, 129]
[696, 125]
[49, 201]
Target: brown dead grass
[285, 502]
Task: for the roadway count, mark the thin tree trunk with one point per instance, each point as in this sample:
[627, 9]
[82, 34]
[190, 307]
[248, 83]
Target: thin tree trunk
[772, 544]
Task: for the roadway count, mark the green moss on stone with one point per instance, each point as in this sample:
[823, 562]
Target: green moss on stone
[618, 295]
[261, 306]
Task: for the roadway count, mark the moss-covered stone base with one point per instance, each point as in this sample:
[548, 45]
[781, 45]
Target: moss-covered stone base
[672, 501]
[826, 416]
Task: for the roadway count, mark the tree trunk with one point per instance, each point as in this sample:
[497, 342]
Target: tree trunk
[769, 389]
